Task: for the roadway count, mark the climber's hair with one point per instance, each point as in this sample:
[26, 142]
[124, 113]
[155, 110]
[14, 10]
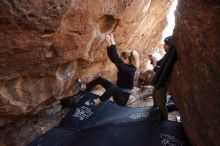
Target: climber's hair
[132, 56]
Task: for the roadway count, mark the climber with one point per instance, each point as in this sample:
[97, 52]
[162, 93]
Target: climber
[163, 76]
[126, 63]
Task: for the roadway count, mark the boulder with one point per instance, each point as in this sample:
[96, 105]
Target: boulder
[195, 82]
[45, 45]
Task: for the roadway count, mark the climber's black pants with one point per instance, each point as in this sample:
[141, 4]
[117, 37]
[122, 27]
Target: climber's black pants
[111, 89]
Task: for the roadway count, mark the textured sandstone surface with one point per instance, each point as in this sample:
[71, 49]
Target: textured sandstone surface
[196, 79]
[45, 45]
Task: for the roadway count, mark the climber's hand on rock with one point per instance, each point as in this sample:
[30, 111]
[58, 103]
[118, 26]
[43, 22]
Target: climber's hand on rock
[112, 39]
[108, 39]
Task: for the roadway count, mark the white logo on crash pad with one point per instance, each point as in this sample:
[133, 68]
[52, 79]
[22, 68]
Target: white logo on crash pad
[168, 140]
[82, 113]
[139, 116]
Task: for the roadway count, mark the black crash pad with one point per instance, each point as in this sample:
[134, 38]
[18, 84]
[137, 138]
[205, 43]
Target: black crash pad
[111, 125]
[171, 106]
[168, 133]
[107, 113]
[56, 137]
[173, 134]
[131, 134]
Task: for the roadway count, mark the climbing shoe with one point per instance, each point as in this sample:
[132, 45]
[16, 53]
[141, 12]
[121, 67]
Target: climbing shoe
[80, 84]
[90, 102]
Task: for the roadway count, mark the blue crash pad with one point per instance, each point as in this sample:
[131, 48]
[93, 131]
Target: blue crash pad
[107, 113]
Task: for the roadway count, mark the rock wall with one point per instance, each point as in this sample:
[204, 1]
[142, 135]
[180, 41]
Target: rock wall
[45, 45]
[196, 78]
